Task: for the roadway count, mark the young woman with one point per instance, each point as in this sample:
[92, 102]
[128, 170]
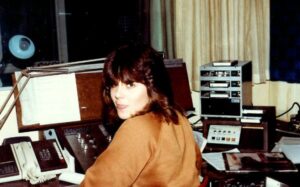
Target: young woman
[154, 145]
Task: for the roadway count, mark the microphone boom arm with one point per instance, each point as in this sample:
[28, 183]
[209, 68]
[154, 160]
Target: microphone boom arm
[56, 69]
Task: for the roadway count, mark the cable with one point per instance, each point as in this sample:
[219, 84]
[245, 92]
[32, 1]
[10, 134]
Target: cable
[295, 103]
[196, 122]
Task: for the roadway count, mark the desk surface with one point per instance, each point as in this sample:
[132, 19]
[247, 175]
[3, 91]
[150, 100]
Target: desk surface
[51, 183]
[221, 178]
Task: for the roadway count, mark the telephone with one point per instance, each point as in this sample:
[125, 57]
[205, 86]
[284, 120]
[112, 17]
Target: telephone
[28, 163]
[34, 161]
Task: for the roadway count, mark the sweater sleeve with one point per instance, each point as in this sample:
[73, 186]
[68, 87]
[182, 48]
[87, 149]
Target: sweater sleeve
[121, 163]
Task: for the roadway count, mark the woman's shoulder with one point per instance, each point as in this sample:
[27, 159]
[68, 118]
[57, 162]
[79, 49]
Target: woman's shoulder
[182, 118]
[150, 119]
[143, 120]
[147, 123]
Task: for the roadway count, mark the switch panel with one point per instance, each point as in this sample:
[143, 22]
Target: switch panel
[85, 142]
[224, 134]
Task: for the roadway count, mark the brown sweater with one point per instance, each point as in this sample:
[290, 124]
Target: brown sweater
[147, 153]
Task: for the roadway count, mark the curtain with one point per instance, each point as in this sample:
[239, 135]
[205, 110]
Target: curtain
[283, 95]
[162, 26]
[206, 30]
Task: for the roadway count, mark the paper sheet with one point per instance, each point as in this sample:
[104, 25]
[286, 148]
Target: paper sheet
[216, 159]
[292, 152]
[289, 140]
[50, 100]
[200, 140]
[10, 128]
[290, 146]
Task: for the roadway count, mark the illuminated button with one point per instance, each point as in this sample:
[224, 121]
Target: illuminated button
[82, 141]
[92, 141]
[85, 146]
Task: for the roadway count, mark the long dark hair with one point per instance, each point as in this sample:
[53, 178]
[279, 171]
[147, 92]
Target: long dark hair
[140, 63]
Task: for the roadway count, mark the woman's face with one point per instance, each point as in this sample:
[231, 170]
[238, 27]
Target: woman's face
[129, 98]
